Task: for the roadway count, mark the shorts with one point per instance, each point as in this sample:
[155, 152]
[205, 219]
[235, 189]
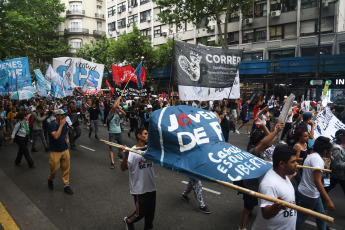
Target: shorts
[249, 201]
[244, 120]
[116, 138]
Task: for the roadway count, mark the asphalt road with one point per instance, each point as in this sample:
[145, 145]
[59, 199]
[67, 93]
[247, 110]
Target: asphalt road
[101, 195]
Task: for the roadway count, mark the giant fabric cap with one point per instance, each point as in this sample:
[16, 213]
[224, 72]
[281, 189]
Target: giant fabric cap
[190, 140]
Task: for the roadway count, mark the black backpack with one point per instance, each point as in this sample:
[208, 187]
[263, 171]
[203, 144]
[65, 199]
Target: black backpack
[290, 137]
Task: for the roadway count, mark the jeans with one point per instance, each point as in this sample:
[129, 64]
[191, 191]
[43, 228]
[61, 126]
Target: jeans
[35, 133]
[102, 114]
[93, 125]
[314, 204]
[75, 134]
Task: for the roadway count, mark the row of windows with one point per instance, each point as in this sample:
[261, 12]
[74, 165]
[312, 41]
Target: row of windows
[286, 53]
[121, 7]
[144, 16]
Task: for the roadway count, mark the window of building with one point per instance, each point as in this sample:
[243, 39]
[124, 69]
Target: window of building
[250, 12]
[99, 26]
[307, 4]
[252, 56]
[76, 43]
[121, 23]
[157, 30]
[233, 38]
[289, 5]
[327, 25]
[248, 36]
[234, 17]
[202, 24]
[276, 32]
[260, 34]
[146, 33]
[112, 26]
[121, 7]
[342, 48]
[76, 25]
[312, 50]
[145, 15]
[111, 11]
[132, 3]
[133, 19]
[76, 7]
[277, 54]
[260, 9]
[275, 5]
[142, 2]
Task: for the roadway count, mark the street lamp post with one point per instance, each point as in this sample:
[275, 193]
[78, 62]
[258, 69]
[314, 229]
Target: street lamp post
[318, 93]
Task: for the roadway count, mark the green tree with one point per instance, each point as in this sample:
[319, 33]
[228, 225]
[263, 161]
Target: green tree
[28, 29]
[163, 54]
[201, 11]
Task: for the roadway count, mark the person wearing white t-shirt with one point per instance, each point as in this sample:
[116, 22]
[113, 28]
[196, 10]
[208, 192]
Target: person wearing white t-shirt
[142, 183]
[276, 183]
[310, 189]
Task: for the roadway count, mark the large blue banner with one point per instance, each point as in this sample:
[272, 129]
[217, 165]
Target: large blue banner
[190, 140]
[18, 73]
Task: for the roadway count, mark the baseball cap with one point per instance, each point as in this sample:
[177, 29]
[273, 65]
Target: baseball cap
[59, 112]
[285, 96]
[307, 115]
[149, 106]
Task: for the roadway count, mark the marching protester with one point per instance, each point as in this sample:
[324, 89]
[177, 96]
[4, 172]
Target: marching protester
[37, 129]
[142, 183]
[276, 183]
[59, 154]
[20, 135]
[301, 147]
[75, 132]
[245, 117]
[196, 186]
[94, 113]
[338, 162]
[311, 194]
[114, 127]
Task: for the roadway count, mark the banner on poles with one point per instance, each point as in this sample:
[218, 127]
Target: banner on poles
[191, 93]
[18, 73]
[326, 124]
[82, 70]
[41, 81]
[190, 140]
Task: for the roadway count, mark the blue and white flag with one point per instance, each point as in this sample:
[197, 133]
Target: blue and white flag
[68, 78]
[190, 140]
[49, 76]
[90, 82]
[59, 92]
[41, 81]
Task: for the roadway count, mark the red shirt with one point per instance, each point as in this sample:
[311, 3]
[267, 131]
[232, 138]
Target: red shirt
[256, 110]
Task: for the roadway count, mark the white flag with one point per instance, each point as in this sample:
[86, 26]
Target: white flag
[49, 76]
[68, 78]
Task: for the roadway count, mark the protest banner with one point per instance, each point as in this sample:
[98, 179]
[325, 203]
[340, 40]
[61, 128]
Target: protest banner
[124, 74]
[326, 124]
[82, 70]
[18, 73]
[198, 67]
[40, 80]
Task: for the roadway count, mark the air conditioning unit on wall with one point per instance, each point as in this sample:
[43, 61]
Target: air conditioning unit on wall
[275, 13]
[249, 21]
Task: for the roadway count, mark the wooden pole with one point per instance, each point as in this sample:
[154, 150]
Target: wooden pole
[249, 192]
[125, 86]
[308, 167]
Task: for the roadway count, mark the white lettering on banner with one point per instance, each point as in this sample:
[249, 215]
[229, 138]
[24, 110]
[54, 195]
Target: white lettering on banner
[222, 59]
[327, 124]
[233, 157]
[216, 127]
[197, 138]
[173, 123]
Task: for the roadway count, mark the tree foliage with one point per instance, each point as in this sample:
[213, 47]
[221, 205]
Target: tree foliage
[28, 29]
[197, 11]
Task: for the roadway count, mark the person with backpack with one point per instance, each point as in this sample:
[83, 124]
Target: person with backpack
[20, 135]
[114, 127]
[37, 119]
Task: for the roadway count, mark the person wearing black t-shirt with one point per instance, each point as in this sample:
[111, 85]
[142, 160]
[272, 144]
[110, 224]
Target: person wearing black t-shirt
[94, 112]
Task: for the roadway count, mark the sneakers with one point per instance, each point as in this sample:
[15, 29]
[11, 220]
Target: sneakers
[96, 137]
[282, 142]
[128, 226]
[120, 156]
[68, 190]
[112, 165]
[73, 148]
[239, 228]
[50, 184]
[204, 210]
[185, 198]
[237, 132]
[248, 133]
[104, 125]
[89, 135]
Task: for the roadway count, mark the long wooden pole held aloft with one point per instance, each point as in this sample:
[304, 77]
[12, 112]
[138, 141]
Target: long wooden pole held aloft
[249, 192]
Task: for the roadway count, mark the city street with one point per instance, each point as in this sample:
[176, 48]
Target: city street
[101, 196]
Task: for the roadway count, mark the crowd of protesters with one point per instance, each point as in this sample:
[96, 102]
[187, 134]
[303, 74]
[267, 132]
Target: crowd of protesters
[58, 124]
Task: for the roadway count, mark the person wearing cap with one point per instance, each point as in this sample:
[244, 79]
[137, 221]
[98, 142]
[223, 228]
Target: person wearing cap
[338, 162]
[59, 154]
[147, 116]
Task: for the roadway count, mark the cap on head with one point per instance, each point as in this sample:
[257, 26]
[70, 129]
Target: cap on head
[59, 112]
[307, 115]
[149, 106]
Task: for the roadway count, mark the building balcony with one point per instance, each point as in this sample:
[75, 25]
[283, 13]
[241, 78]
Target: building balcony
[75, 12]
[76, 31]
[98, 33]
[97, 15]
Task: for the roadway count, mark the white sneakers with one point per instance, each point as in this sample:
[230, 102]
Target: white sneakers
[282, 142]
[237, 132]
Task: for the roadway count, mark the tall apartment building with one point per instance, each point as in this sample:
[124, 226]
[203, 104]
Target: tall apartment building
[85, 21]
[272, 30]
